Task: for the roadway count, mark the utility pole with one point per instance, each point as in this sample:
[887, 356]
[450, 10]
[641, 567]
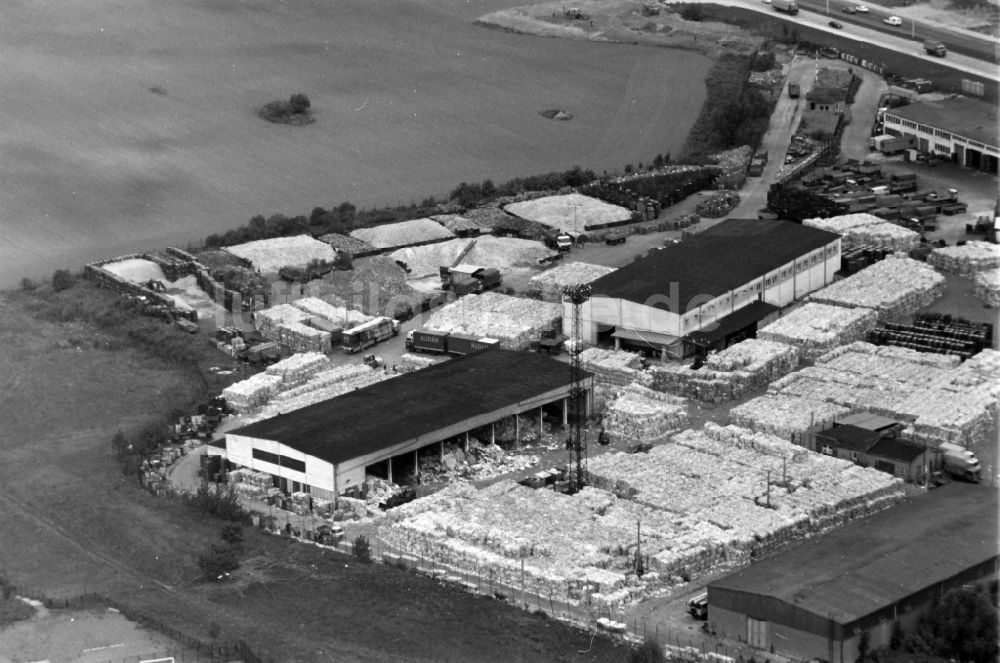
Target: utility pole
[769, 489]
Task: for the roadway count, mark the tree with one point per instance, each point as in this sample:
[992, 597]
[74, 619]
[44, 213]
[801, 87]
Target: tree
[62, 279]
[218, 562]
[362, 548]
[962, 625]
[299, 103]
[649, 651]
[692, 13]
[232, 534]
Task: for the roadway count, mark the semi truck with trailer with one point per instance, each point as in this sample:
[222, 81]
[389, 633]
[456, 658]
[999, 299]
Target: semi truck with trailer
[959, 462]
[935, 47]
[786, 6]
[368, 334]
[441, 342]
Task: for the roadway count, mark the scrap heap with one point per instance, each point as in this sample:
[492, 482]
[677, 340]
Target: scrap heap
[515, 322]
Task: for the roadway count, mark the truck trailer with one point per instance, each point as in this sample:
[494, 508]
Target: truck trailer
[368, 334]
[888, 144]
[441, 342]
[786, 6]
[959, 462]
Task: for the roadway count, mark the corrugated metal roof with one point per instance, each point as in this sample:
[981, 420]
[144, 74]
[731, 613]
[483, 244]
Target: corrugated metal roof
[872, 563]
[963, 116]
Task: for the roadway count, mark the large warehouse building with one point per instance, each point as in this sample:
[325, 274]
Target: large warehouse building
[818, 600]
[719, 283]
[960, 129]
[326, 449]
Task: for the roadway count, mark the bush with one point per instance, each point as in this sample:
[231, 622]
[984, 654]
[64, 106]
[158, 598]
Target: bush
[649, 651]
[692, 13]
[295, 111]
[362, 548]
[27, 284]
[232, 534]
[218, 563]
[962, 626]
[62, 279]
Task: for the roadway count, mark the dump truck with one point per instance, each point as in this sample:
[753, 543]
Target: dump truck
[262, 354]
[440, 342]
[487, 277]
[368, 334]
[935, 47]
[786, 6]
[959, 462]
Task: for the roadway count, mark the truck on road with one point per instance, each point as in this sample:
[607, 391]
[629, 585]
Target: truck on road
[786, 6]
[935, 47]
[442, 342]
[959, 462]
[368, 334]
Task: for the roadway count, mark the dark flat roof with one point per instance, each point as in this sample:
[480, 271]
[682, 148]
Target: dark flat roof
[896, 449]
[850, 437]
[871, 563]
[734, 322]
[712, 262]
[966, 117]
[402, 408]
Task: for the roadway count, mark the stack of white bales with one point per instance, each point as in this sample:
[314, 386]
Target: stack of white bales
[785, 416]
[247, 483]
[252, 393]
[570, 213]
[411, 362]
[641, 414]
[615, 368]
[324, 386]
[818, 328]
[727, 375]
[338, 315]
[894, 287]
[550, 283]
[298, 368]
[867, 230]
[968, 260]
[987, 287]
[515, 322]
[285, 324]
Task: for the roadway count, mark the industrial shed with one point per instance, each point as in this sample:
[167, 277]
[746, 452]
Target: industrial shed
[816, 600]
[326, 449]
[961, 129]
[697, 284]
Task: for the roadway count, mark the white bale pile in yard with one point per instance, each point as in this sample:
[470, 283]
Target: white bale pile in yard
[270, 255]
[423, 261]
[298, 368]
[136, 270]
[411, 362]
[941, 399]
[701, 500]
[324, 386]
[785, 416]
[551, 282]
[730, 374]
[515, 322]
[866, 230]
[818, 328]
[895, 287]
[403, 233]
[269, 320]
[570, 213]
[338, 315]
[486, 251]
[968, 260]
[612, 367]
[251, 393]
[303, 338]
[988, 287]
[640, 414]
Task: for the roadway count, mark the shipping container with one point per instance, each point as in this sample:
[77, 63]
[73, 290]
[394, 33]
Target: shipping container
[462, 344]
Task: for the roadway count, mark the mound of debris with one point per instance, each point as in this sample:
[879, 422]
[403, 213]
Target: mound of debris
[573, 213]
[270, 255]
[404, 233]
[515, 322]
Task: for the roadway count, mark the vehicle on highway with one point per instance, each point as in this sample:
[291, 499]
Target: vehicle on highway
[849, 9]
[835, 24]
[893, 20]
[860, 9]
[766, 2]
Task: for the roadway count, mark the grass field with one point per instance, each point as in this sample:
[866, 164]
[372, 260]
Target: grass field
[69, 524]
[131, 123]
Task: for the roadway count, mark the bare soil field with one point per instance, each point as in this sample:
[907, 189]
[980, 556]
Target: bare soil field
[69, 524]
[131, 123]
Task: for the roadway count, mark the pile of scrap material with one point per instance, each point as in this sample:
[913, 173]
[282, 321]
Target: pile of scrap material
[486, 251]
[867, 230]
[247, 483]
[818, 328]
[612, 368]
[550, 283]
[718, 205]
[701, 499]
[340, 316]
[404, 233]
[967, 260]
[640, 414]
[987, 287]
[410, 362]
[733, 162]
[298, 368]
[572, 213]
[457, 224]
[252, 393]
[787, 417]
[482, 461]
[323, 386]
[352, 246]
[515, 322]
[378, 490]
[286, 324]
[894, 287]
[373, 286]
[940, 398]
[728, 375]
[270, 255]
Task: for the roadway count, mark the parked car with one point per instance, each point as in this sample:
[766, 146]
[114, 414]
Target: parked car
[861, 9]
[849, 9]
[836, 25]
[893, 20]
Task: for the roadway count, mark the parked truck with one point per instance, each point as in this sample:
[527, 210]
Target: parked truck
[786, 6]
[959, 462]
[935, 47]
[486, 277]
[368, 334]
[888, 144]
[441, 342]
[558, 240]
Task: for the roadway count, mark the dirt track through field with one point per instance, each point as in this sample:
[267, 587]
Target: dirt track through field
[130, 123]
